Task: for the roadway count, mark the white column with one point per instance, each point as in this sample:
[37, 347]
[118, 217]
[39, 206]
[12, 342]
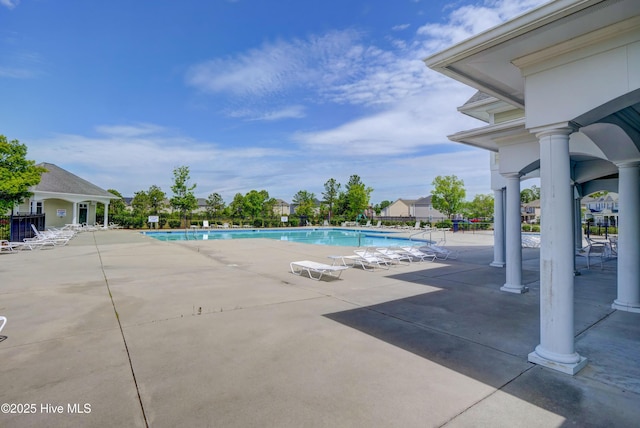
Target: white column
[513, 232]
[105, 225]
[628, 238]
[498, 229]
[75, 213]
[556, 349]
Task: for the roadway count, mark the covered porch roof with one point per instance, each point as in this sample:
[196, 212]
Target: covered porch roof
[59, 183]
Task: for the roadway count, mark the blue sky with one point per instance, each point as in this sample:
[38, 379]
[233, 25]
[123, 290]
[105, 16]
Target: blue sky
[250, 94]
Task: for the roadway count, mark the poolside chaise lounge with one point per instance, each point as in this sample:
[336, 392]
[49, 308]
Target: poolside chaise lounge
[49, 237]
[3, 320]
[440, 252]
[416, 253]
[9, 247]
[316, 268]
[393, 256]
[369, 258]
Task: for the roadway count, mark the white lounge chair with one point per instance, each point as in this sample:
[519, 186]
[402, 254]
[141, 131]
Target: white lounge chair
[440, 252]
[56, 237]
[369, 258]
[10, 247]
[6, 246]
[205, 224]
[320, 269]
[416, 253]
[393, 256]
[3, 320]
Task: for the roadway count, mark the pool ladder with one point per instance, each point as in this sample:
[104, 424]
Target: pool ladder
[429, 232]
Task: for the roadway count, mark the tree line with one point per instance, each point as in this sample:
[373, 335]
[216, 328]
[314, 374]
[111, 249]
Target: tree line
[256, 207]
[337, 203]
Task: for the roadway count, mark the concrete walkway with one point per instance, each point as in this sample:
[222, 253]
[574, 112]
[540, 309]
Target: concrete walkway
[122, 330]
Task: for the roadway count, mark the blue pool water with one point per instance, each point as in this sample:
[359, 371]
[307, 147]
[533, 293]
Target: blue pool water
[324, 236]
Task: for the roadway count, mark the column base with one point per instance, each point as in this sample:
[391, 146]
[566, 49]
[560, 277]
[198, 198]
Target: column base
[568, 368]
[498, 264]
[626, 307]
[516, 289]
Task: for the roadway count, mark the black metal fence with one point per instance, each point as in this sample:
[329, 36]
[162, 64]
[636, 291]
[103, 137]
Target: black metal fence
[18, 226]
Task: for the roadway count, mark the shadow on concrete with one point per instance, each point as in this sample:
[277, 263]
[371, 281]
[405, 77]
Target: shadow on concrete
[468, 325]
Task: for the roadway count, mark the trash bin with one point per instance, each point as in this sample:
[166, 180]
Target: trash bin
[455, 225]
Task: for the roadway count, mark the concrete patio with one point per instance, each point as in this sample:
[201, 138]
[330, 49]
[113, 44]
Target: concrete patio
[221, 334]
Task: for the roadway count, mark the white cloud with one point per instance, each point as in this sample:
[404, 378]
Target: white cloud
[340, 66]
[469, 20]
[17, 73]
[129, 163]
[19, 65]
[130, 158]
[130, 130]
[287, 112]
[279, 66]
[10, 4]
[400, 27]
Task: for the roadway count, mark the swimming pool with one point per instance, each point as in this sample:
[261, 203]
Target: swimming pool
[321, 236]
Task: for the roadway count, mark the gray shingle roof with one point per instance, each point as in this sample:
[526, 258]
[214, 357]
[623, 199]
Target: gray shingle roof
[478, 96]
[59, 180]
[424, 201]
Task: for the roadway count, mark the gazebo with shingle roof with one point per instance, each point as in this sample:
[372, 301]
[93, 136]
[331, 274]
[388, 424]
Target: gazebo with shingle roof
[65, 198]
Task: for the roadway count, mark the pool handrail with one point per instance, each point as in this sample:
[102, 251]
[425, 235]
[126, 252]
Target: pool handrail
[429, 232]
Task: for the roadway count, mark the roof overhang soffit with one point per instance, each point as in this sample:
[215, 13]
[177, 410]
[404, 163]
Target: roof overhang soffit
[492, 137]
[40, 195]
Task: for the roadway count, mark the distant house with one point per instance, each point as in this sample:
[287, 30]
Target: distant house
[421, 209]
[530, 212]
[424, 210]
[316, 207]
[65, 198]
[602, 210]
[202, 206]
[281, 208]
[400, 208]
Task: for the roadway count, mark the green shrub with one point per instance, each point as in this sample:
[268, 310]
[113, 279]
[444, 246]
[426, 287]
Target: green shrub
[444, 224]
[129, 220]
[174, 224]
